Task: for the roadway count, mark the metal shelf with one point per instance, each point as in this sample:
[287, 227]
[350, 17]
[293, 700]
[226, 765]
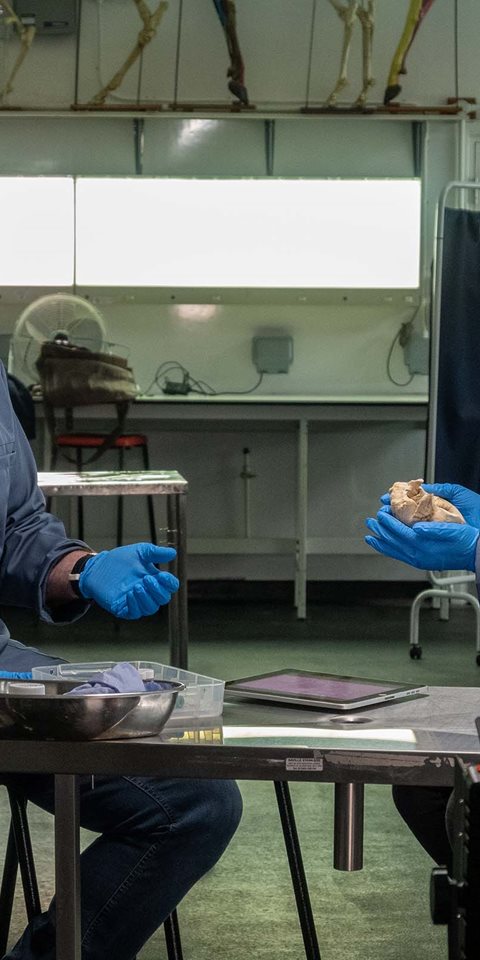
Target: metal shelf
[300, 114]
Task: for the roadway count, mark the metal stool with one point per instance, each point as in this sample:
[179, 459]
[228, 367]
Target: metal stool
[19, 853]
[81, 442]
[75, 445]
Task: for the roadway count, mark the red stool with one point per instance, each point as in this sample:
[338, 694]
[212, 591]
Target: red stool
[78, 444]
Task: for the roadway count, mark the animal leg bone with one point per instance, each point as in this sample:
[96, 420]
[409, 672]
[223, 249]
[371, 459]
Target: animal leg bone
[236, 71]
[26, 35]
[347, 13]
[417, 12]
[150, 21]
[366, 15]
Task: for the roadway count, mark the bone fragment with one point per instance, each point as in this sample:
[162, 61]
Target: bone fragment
[411, 504]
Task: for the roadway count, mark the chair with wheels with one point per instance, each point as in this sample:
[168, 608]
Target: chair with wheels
[445, 590]
[19, 854]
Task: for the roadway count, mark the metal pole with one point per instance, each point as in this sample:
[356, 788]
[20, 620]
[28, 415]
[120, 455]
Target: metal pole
[177, 608]
[302, 514]
[67, 867]
[246, 476]
[348, 831]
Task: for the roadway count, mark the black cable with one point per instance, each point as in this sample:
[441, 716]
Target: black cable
[237, 393]
[191, 384]
[389, 357]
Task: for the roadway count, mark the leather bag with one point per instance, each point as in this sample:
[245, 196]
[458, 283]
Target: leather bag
[73, 376]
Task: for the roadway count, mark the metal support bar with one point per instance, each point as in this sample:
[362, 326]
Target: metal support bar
[301, 524]
[269, 127]
[297, 872]
[173, 942]
[348, 830]
[178, 613]
[67, 867]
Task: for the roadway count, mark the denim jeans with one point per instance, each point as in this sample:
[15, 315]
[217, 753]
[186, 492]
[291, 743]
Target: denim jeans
[156, 839]
[428, 811]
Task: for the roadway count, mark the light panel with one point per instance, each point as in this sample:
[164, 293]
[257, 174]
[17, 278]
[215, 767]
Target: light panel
[251, 233]
[37, 235]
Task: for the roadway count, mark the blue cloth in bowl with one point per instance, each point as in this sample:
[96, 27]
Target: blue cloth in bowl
[122, 678]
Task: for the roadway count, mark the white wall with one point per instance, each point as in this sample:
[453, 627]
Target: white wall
[340, 346]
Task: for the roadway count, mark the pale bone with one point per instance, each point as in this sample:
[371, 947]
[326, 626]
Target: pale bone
[146, 34]
[26, 35]
[354, 9]
[411, 504]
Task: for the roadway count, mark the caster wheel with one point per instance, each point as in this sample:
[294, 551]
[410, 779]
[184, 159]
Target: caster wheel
[416, 653]
[478, 659]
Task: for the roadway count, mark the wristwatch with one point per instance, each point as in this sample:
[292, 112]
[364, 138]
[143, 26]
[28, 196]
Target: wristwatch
[75, 573]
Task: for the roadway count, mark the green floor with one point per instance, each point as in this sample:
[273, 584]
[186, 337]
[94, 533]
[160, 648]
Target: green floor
[245, 906]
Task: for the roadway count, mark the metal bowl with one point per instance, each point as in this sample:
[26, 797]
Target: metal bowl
[106, 716]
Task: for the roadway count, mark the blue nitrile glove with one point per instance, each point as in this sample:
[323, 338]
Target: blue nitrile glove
[7, 675]
[427, 546]
[462, 498]
[126, 582]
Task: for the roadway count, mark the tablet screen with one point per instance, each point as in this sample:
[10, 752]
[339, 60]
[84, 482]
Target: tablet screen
[305, 685]
[312, 686]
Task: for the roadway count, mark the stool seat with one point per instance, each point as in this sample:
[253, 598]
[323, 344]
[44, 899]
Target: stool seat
[125, 440]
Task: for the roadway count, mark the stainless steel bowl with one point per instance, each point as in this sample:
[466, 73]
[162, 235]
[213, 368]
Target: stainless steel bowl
[93, 716]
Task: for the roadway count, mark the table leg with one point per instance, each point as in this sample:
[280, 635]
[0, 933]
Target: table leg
[297, 872]
[301, 521]
[177, 608]
[67, 867]
[348, 828]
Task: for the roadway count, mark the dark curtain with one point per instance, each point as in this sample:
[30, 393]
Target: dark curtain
[457, 452]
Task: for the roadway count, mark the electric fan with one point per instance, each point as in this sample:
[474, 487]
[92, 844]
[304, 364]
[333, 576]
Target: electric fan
[57, 316]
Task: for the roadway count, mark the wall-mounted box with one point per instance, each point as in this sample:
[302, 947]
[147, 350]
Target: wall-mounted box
[272, 354]
[49, 17]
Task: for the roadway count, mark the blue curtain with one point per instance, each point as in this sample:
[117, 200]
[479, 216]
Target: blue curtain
[457, 451]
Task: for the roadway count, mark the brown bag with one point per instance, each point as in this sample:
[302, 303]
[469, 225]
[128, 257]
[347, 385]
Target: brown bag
[73, 376]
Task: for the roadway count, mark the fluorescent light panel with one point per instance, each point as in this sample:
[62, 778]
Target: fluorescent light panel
[37, 236]
[248, 233]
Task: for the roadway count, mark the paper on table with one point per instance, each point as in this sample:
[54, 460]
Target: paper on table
[400, 734]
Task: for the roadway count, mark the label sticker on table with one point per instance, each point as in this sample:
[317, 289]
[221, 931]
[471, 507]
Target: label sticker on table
[305, 763]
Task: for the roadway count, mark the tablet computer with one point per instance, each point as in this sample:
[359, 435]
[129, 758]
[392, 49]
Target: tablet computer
[305, 688]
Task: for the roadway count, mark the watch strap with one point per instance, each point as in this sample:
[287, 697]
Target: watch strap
[76, 572]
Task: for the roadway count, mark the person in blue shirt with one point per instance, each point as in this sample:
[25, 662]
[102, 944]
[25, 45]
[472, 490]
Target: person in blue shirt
[156, 838]
[428, 811]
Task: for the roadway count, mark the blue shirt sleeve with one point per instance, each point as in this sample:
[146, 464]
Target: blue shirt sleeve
[31, 540]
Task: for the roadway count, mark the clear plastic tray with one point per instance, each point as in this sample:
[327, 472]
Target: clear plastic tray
[202, 697]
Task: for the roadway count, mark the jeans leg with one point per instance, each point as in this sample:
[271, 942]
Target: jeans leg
[424, 810]
[157, 838]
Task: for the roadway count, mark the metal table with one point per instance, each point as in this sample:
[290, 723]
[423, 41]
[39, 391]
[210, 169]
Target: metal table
[413, 742]
[165, 483]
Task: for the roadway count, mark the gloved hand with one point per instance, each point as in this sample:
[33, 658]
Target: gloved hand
[126, 582]
[8, 675]
[427, 546]
[462, 498]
